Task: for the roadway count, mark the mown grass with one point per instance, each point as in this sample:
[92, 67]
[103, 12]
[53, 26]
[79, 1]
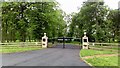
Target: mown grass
[21, 48]
[12, 49]
[89, 52]
[103, 61]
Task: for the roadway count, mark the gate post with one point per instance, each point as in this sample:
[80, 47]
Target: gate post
[44, 41]
[85, 43]
[63, 42]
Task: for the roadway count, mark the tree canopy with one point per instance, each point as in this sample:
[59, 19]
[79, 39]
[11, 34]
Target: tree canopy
[29, 20]
[98, 20]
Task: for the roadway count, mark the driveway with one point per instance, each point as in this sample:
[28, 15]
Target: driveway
[55, 56]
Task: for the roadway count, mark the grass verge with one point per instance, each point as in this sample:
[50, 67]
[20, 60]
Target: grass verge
[12, 49]
[89, 52]
[102, 61]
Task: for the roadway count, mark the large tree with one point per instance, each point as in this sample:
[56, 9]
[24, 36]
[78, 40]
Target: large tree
[29, 20]
[93, 18]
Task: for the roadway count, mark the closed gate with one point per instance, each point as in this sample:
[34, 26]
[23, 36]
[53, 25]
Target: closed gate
[66, 42]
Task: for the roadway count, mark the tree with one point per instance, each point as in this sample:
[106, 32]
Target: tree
[114, 25]
[93, 18]
[29, 20]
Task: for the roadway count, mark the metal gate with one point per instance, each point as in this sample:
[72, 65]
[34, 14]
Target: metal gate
[64, 42]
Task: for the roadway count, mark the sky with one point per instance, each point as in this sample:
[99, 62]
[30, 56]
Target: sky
[70, 6]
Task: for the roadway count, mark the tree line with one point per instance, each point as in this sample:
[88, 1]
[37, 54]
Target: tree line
[101, 23]
[30, 20]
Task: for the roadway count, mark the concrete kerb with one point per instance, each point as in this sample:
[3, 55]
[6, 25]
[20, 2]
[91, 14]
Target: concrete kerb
[87, 62]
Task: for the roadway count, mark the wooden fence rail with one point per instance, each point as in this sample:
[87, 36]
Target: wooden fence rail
[104, 43]
[22, 43]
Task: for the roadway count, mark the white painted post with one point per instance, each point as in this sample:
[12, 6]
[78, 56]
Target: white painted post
[44, 41]
[93, 44]
[85, 44]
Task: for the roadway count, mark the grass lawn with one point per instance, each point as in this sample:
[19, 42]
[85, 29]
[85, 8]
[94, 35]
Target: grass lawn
[103, 61]
[18, 48]
[89, 52]
[12, 49]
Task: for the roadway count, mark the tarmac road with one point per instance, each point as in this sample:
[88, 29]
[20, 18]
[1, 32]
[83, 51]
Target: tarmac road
[55, 56]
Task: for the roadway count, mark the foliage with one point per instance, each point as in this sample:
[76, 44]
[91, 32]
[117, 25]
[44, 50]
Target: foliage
[29, 20]
[99, 21]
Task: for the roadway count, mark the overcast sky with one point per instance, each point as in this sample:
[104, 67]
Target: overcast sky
[70, 6]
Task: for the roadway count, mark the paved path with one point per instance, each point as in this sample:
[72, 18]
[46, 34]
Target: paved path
[56, 56]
